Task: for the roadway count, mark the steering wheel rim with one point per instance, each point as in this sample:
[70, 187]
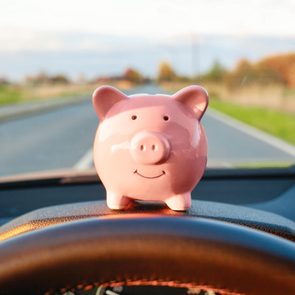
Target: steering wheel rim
[136, 249]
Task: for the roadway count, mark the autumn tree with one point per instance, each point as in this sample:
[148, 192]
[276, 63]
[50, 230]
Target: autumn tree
[243, 65]
[133, 76]
[282, 65]
[242, 74]
[246, 73]
[166, 72]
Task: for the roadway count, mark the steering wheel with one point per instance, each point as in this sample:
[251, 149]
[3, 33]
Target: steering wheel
[145, 249]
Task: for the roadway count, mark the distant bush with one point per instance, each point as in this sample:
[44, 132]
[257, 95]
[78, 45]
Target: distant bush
[43, 78]
[59, 79]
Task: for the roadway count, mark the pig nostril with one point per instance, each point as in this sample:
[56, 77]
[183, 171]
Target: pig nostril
[149, 148]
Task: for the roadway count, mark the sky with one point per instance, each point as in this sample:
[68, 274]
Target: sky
[154, 18]
[137, 27]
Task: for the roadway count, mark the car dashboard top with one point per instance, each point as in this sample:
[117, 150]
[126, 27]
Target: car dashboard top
[269, 190]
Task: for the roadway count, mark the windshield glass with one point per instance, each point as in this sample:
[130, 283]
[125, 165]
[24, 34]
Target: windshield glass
[53, 54]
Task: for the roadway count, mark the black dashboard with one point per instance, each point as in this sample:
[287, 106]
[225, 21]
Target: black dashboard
[272, 190]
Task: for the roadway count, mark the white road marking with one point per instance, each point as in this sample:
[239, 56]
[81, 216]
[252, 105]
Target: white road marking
[254, 132]
[85, 162]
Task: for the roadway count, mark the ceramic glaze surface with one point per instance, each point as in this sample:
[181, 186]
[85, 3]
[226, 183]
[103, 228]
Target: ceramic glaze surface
[150, 147]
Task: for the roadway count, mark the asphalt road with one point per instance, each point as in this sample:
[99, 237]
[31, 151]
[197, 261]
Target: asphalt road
[62, 138]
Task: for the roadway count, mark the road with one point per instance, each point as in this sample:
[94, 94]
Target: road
[62, 138]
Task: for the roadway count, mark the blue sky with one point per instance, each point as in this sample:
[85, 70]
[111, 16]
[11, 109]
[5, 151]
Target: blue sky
[104, 37]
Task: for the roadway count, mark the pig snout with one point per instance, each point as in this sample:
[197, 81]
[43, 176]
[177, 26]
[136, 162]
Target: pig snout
[149, 148]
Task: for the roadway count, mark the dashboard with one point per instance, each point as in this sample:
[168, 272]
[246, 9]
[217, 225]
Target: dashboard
[269, 190]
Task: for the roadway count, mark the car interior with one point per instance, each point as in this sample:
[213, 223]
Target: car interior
[57, 228]
[147, 147]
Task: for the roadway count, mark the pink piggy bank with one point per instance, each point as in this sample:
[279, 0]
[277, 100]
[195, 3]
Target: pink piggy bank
[150, 147]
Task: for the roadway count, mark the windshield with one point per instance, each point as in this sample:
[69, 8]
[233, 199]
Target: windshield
[53, 54]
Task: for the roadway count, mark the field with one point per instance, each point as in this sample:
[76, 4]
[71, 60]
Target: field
[9, 95]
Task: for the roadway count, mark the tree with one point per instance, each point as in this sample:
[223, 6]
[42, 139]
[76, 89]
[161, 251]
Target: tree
[243, 74]
[216, 73]
[59, 79]
[166, 72]
[37, 79]
[243, 66]
[4, 81]
[281, 66]
[133, 76]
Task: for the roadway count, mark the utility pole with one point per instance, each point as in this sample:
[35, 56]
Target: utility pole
[195, 62]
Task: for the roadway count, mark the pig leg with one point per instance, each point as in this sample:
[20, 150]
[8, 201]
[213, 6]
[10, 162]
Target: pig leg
[116, 201]
[180, 202]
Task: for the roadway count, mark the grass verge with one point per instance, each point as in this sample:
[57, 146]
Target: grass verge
[277, 123]
[12, 94]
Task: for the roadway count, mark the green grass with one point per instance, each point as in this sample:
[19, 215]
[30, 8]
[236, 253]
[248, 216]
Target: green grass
[19, 94]
[10, 94]
[277, 123]
[13, 94]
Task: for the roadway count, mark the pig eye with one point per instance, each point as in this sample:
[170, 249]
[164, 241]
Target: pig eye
[134, 117]
[165, 118]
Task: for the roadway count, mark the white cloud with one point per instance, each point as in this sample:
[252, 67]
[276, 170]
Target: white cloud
[151, 17]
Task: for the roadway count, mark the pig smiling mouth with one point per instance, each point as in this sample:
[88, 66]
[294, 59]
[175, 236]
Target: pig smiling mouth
[149, 177]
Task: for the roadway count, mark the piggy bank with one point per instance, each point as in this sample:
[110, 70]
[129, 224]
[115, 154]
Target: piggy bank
[150, 147]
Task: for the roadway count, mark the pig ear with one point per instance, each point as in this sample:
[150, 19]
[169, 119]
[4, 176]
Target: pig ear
[195, 97]
[104, 98]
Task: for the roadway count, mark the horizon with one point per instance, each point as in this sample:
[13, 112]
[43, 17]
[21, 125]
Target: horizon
[95, 38]
[188, 55]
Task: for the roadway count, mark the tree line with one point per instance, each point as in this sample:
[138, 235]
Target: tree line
[277, 69]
